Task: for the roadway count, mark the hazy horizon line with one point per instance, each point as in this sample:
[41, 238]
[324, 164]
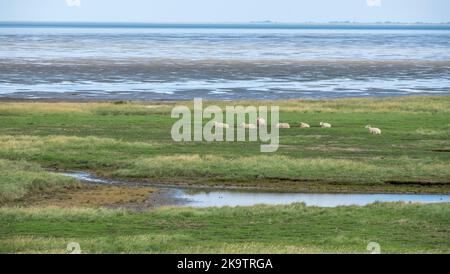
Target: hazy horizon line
[264, 22]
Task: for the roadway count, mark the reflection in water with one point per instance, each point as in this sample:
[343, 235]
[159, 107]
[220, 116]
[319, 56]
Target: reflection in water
[234, 198]
[228, 198]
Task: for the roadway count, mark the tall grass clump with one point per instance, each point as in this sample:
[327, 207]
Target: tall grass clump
[263, 167]
[280, 167]
[20, 178]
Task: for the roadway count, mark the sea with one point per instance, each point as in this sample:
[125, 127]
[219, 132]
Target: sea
[117, 61]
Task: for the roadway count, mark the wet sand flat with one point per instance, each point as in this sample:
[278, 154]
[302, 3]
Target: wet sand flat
[151, 62]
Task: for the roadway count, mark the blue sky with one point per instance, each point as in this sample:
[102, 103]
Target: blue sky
[225, 10]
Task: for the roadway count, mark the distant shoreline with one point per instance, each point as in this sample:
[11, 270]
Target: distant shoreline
[87, 99]
[249, 25]
[175, 101]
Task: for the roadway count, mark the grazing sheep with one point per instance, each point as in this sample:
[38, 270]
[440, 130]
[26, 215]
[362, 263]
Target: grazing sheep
[304, 125]
[261, 121]
[374, 130]
[220, 125]
[283, 125]
[325, 125]
[249, 126]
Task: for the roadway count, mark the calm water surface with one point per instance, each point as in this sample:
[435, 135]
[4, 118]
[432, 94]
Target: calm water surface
[220, 198]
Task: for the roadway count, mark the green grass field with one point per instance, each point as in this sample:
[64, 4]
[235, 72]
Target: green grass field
[132, 141]
[398, 228]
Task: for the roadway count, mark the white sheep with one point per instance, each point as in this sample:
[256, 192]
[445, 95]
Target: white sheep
[325, 125]
[374, 130]
[220, 125]
[304, 125]
[249, 126]
[283, 125]
[261, 121]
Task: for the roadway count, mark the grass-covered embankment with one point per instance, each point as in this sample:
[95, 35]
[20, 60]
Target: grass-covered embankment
[19, 179]
[133, 141]
[398, 228]
[26, 184]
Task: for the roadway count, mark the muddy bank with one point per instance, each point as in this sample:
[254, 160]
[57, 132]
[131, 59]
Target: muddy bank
[94, 195]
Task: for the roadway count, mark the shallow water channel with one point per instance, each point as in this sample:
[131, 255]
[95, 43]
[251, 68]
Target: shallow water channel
[210, 198]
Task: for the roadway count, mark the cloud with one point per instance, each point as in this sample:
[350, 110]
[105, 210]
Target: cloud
[373, 3]
[73, 3]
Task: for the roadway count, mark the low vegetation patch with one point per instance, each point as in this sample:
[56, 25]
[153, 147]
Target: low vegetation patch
[398, 228]
[91, 196]
[19, 179]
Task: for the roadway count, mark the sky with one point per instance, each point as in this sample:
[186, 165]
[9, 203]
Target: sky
[222, 11]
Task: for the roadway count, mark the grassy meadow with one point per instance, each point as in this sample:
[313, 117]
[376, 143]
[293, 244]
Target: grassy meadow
[398, 228]
[133, 141]
[41, 211]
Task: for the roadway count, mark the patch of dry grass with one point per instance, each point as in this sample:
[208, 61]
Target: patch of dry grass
[55, 213]
[411, 104]
[46, 107]
[89, 196]
[102, 108]
[30, 144]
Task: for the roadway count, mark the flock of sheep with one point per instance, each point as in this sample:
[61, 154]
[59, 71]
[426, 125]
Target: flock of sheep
[262, 122]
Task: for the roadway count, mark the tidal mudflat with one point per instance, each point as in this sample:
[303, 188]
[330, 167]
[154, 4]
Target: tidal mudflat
[222, 62]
